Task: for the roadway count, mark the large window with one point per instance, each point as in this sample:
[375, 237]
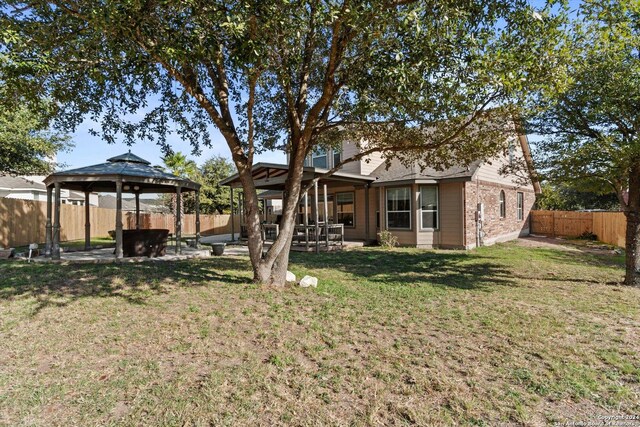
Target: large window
[345, 208]
[502, 203]
[429, 206]
[399, 207]
[520, 206]
[319, 159]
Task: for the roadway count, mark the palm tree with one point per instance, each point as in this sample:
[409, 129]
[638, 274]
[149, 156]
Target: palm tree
[178, 164]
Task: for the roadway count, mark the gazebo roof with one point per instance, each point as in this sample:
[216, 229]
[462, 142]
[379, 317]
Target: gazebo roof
[126, 167]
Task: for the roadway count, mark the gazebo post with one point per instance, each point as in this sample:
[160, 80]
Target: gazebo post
[119, 251]
[326, 214]
[316, 216]
[233, 231]
[48, 237]
[56, 224]
[197, 218]
[137, 210]
[87, 223]
[178, 220]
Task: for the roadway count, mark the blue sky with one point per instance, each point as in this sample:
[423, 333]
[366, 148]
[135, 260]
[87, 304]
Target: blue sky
[89, 149]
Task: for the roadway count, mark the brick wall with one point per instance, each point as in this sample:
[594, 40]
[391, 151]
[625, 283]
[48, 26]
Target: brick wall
[495, 229]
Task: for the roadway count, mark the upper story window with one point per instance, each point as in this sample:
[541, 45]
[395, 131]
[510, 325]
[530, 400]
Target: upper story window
[502, 204]
[429, 207]
[319, 159]
[520, 206]
[337, 156]
[399, 208]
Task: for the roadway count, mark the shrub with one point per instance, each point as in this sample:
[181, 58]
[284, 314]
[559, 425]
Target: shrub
[387, 240]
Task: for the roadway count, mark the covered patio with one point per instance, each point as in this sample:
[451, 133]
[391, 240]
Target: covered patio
[319, 227]
[126, 173]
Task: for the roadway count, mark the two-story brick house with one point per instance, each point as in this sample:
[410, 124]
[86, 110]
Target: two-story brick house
[461, 207]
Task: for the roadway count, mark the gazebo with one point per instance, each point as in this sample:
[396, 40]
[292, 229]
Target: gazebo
[125, 173]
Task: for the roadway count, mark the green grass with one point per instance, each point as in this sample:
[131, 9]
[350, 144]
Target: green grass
[500, 334]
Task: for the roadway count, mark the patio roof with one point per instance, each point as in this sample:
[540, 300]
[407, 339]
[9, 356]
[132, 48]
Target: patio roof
[272, 176]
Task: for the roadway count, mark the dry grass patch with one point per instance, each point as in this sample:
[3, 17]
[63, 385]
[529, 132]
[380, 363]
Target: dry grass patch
[398, 337]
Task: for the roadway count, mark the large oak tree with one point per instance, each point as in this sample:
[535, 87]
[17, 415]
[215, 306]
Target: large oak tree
[592, 124]
[410, 79]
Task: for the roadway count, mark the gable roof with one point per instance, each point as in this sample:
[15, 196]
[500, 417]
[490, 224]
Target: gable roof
[20, 183]
[399, 173]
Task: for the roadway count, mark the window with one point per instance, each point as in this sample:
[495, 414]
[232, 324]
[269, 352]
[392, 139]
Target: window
[520, 206]
[399, 207]
[337, 156]
[429, 206]
[345, 208]
[319, 159]
[512, 151]
[321, 207]
[503, 207]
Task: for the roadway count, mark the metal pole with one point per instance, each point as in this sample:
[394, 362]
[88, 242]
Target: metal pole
[56, 224]
[48, 230]
[87, 223]
[119, 251]
[178, 220]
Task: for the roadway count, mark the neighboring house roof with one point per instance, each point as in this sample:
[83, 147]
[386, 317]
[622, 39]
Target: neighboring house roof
[397, 172]
[109, 202]
[20, 183]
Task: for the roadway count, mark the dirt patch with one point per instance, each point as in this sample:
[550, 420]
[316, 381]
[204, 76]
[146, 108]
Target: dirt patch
[568, 245]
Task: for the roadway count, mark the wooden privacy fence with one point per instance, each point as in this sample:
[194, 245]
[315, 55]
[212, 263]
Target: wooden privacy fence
[610, 227]
[23, 222]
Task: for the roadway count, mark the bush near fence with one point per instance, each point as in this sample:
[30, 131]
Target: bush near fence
[609, 227]
[23, 222]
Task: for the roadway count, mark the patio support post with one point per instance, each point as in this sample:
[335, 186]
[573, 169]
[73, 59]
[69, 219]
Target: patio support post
[87, 223]
[326, 214]
[366, 210]
[316, 216]
[119, 250]
[178, 220]
[48, 237]
[56, 223]
[305, 221]
[197, 218]
[233, 231]
[137, 210]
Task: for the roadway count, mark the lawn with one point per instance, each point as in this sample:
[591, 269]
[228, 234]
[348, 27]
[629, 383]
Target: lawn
[501, 334]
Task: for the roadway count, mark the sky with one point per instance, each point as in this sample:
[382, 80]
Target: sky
[90, 150]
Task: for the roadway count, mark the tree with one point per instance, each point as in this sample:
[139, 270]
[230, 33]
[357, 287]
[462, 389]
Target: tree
[178, 164]
[410, 79]
[215, 198]
[592, 125]
[567, 197]
[27, 146]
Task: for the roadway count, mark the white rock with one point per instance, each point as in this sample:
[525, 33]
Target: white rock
[290, 277]
[307, 281]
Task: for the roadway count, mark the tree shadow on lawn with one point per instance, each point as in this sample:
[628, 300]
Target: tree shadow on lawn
[417, 268]
[62, 284]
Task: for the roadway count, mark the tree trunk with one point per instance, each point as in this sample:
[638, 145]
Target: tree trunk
[632, 243]
[271, 268]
